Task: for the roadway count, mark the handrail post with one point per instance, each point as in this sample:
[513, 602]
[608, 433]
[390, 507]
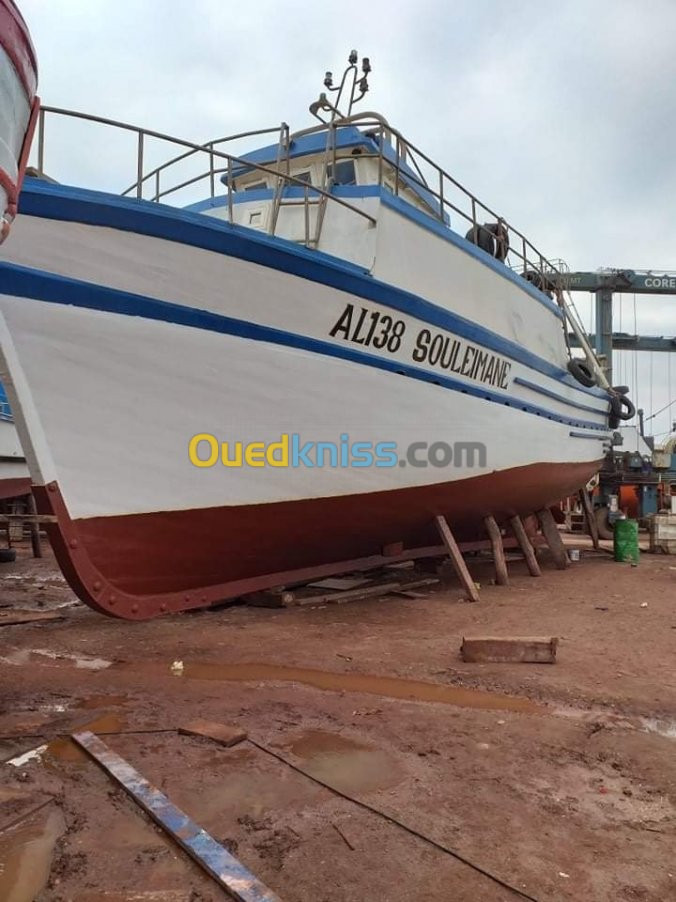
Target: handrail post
[212, 181]
[139, 166]
[157, 186]
[396, 170]
[41, 141]
[441, 195]
[381, 139]
[230, 190]
[474, 222]
[307, 216]
[525, 254]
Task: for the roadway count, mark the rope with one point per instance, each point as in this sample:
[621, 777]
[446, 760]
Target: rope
[658, 412]
[397, 823]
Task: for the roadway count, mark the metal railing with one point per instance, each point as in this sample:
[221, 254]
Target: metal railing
[219, 163]
[402, 167]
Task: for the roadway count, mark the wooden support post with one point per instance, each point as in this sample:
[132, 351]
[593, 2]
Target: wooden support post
[593, 526]
[493, 530]
[34, 526]
[553, 537]
[525, 546]
[457, 559]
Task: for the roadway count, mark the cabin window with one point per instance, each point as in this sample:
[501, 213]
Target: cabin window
[256, 186]
[344, 173]
[303, 176]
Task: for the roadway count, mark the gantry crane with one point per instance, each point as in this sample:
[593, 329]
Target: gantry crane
[653, 477]
[603, 284]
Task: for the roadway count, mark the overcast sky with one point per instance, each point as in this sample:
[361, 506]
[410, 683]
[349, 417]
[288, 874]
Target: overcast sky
[560, 114]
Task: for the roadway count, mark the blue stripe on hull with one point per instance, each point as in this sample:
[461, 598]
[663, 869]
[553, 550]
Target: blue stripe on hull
[196, 230]
[542, 390]
[25, 282]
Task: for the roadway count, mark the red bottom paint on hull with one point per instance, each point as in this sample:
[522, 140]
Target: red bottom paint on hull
[143, 565]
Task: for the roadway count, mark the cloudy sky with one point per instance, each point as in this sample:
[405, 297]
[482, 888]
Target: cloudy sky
[560, 114]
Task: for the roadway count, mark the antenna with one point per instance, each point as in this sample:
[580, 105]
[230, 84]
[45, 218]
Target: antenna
[352, 88]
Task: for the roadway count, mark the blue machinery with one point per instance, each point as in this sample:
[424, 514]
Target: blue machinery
[653, 477]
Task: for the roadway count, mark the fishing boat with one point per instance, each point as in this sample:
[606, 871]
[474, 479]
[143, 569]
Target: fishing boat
[292, 374]
[18, 112]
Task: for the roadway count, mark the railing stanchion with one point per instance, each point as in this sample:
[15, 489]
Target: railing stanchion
[157, 186]
[475, 231]
[306, 207]
[139, 166]
[212, 180]
[41, 141]
[441, 195]
[230, 190]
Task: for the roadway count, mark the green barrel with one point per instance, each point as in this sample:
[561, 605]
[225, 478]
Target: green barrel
[625, 540]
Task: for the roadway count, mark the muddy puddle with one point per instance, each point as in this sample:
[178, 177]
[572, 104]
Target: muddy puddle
[64, 749]
[348, 765]
[26, 856]
[386, 687]
[94, 702]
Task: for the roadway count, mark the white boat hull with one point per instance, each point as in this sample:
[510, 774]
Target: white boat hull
[144, 342]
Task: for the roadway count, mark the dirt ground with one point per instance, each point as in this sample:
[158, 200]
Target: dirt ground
[558, 780]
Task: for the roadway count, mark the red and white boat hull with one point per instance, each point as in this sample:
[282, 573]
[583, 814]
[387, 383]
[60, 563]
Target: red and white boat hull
[121, 344]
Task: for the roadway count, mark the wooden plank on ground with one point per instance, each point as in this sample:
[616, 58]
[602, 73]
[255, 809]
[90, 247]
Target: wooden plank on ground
[13, 617]
[457, 559]
[525, 546]
[341, 583]
[352, 595]
[222, 733]
[407, 590]
[296, 599]
[226, 870]
[509, 650]
[554, 540]
[494, 534]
